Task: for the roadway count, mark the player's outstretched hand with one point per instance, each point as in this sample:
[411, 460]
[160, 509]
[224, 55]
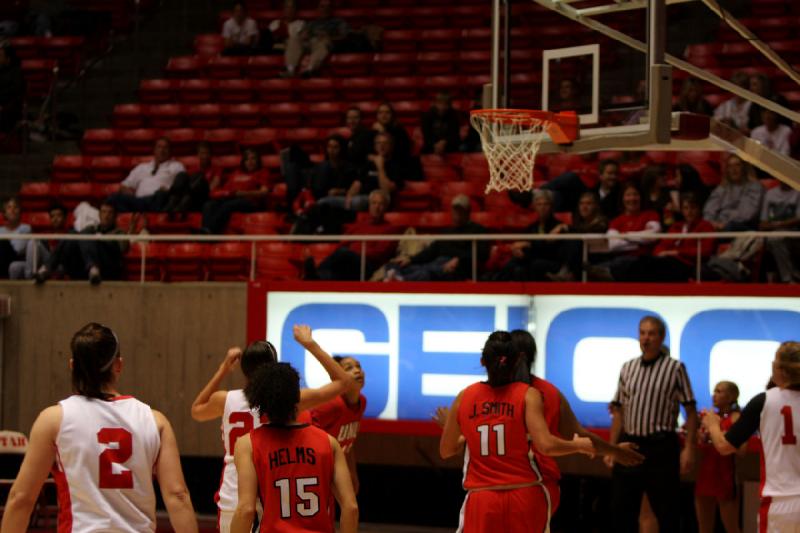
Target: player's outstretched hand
[584, 444]
[608, 460]
[626, 455]
[302, 334]
[232, 358]
[440, 415]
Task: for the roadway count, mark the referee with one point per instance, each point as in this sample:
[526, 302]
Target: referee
[645, 408]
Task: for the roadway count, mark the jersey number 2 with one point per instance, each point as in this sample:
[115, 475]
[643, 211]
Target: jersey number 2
[118, 454]
[500, 431]
[788, 427]
[309, 506]
[239, 417]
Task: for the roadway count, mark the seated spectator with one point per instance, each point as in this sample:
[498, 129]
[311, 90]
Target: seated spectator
[190, 189]
[335, 175]
[691, 98]
[360, 142]
[38, 252]
[569, 98]
[147, 185]
[760, 84]
[587, 219]
[687, 181]
[317, 38]
[655, 195]
[244, 191]
[441, 127]
[285, 28]
[14, 249]
[569, 186]
[735, 203]
[240, 33]
[345, 263]
[627, 236]
[95, 260]
[735, 111]
[444, 260]
[12, 88]
[772, 133]
[386, 122]
[781, 212]
[534, 260]
[675, 260]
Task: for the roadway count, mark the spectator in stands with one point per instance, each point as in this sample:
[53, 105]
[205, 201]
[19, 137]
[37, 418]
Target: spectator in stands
[345, 263]
[736, 202]
[687, 181]
[360, 143]
[587, 219]
[655, 195]
[569, 98]
[285, 28]
[317, 39]
[189, 191]
[14, 249]
[781, 212]
[761, 85]
[146, 187]
[386, 122]
[95, 260]
[735, 111]
[240, 33]
[244, 191]
[691, 98]
[335, 175]
[12, 88]
[627, 236]
[444, 260]
[568, 187]
[675, 260]
[40, 250]
[441, 128]
[772, 134]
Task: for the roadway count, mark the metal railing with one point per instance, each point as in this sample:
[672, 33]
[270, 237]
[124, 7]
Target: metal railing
[586, 238]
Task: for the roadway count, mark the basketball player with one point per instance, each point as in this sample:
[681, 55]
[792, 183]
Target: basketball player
[776, 415]
[237, 417]
[104, 449]
[505, 488]
[716, 478]
[341, 416]
[295, 469]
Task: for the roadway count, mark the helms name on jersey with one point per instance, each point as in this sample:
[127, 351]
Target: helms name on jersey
[285, 456]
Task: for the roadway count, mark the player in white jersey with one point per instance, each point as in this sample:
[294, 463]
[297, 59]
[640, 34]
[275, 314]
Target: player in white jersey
[776, 415]
[239, 419]
[103, 449]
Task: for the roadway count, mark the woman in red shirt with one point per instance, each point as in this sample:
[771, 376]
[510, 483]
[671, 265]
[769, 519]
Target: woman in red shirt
[244, 191]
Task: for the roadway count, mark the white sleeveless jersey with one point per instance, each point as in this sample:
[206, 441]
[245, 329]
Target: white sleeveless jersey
[104, 466]
[237, 420]
[780, 430]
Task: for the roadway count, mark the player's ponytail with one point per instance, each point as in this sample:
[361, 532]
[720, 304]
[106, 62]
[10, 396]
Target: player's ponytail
[94, 349]
[500, 359]
[788, 360]
[256, 355]
[274, 391]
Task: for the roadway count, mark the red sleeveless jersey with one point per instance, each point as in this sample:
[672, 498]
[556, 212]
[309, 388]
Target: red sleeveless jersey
[492, 419]
[716, 473]
[340, 420]
[552, 415]
[294, 465]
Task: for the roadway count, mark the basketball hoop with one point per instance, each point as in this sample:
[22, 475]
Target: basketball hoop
[511, 138]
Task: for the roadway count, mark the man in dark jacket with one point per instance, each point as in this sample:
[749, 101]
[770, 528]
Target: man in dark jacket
[12, 88]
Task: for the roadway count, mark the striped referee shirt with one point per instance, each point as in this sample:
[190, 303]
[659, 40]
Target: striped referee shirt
[650, 393]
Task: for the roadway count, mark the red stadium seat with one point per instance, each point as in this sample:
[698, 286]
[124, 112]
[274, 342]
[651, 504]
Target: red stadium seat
[402, 219]
[437, 63]
[129, 116]
[198, 91]
[225, 67]
[228, 163]
[235, 91]
[278, 261]
[310, 139]
[67, 51]
[184, 141]
[229, 261]
[186, 261]
[109, 169]
[205, 116]
[37, 195]
[262, 223]
[157, 91]
[317, 89]
[354, 89]
[433, 221]
[38, 220]
[99, 141]
[346, 65]
[154, 253]
[440, 39]
[400, 64]
[451, 189]
[432, 17]
[166, 115]
[410, 112]
[245, 115]
[262, 140]
[224, 141]
[455, 86]
[185, 67]
[400, 40]
[476, 38]
[39, 76]
[263, 67]
[209, 40]
[26, 47]
[162, 223]
[71, 194]
[440, 173]
[414, 196]
[275, 91]
[326, 114]
[401, 88]
[285, 115]
[69, 167]
[139, 141]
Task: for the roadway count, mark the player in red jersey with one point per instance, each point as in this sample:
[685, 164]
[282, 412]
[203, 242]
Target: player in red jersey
[237, 417]
[295, 469]
[341, 416]
[494, 418]
[104, 449]
[776, 415]
[716, 479]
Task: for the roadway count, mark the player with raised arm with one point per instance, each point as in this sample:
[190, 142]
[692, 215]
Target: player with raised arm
[239, 419]
[295, 469]
[505, 488]
[103, 449]
[776, 415]
[341, 417]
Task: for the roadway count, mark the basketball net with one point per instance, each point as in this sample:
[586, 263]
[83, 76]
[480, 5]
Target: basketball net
[510, 140]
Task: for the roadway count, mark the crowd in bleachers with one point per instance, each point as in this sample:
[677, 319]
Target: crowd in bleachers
[253, 149]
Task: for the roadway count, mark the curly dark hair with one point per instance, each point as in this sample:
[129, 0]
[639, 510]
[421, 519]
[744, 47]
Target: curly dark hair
[500, 359]
[256, 355]
[274, 391]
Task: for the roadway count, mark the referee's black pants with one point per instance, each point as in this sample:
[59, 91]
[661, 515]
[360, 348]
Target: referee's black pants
[658, 477]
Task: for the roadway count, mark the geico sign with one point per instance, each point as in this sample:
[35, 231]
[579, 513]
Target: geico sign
[419, 350]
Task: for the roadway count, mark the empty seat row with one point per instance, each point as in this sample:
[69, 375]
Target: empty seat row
[68, 51]
[739, 54]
